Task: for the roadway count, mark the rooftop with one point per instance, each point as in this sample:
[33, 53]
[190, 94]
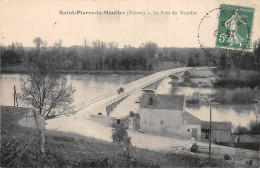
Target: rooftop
[224, 126]
[191, 119]
[162, 101]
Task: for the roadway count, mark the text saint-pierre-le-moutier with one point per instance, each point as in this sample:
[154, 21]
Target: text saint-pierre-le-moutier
[117, 12]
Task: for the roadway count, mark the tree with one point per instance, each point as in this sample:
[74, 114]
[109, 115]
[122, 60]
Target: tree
[10, 56]
[47, 90]
[120, 135]
[38, 42]
[197, 60]
[257, 54]
[190, 62]
[99, 48]
[240, 130]
[173, 55]
[151, 49]
[254, 127]
[222, 61]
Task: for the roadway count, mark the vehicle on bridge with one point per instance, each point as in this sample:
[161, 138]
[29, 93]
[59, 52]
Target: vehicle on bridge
[120, 90]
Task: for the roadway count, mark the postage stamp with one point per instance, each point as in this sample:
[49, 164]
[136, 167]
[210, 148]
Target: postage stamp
[235, 27]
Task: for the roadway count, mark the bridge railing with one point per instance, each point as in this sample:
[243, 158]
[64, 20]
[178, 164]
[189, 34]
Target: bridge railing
[160, 75]
[113, 91]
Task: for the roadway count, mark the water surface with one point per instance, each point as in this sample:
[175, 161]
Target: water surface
[90, 86]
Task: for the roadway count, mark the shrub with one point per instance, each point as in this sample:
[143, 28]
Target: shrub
[194, 100]
[194, 148]
[120, 135]
[254, 127]
[220, 96]
[238, 95]
[227, 157]
[231, 83]
[240, 130]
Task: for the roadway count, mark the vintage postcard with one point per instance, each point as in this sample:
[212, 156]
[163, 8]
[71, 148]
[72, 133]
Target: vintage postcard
[130, 83]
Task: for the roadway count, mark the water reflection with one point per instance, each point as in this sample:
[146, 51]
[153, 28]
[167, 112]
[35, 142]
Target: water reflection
[87, 86]
[237, 114]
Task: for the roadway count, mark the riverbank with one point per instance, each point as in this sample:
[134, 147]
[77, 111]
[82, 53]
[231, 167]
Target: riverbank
[225, 96]
[73, 150]
[14, 69]
[22, 70]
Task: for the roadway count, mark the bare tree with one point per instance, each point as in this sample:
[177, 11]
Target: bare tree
[46, 90]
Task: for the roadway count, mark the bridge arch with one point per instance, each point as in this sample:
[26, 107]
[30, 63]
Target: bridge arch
[174, 77]
[186, 73]
[180, 75]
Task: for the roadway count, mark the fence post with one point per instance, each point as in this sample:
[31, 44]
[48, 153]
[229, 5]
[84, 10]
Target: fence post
[42, 139]
[14, 95]
[235, 157]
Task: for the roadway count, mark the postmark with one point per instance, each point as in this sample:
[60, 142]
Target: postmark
[234, 27]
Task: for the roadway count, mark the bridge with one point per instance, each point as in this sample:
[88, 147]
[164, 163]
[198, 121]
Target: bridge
[108, 101]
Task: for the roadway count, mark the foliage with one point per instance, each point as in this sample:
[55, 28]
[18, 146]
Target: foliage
[240, 130]
[232, 83]
[99, 55]
[46, 89]
[253, 129]
[223, 61]
[12, 55]
[193, 101]
[120, 135]
[238, 95]
[194, 148]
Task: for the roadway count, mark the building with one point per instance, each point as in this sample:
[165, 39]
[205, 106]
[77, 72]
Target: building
[132, 121]
[165, 115]
[191, 126]
[220, 131]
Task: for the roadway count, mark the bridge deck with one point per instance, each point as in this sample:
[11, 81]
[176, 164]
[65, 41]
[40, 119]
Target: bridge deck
[112, 96]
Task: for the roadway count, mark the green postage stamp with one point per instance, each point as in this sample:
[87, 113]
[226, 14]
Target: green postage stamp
[235, 27]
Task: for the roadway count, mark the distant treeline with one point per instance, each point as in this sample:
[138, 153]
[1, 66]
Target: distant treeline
[101, 55]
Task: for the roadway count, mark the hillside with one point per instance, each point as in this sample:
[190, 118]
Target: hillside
[20, 148]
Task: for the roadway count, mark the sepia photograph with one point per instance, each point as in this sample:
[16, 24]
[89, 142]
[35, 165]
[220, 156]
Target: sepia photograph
[130, 83]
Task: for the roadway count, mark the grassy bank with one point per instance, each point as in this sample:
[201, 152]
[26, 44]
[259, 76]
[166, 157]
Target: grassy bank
[72, 150]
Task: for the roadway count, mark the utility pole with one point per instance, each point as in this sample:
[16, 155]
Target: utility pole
[14, 95]
[210, 132]
[15, 98]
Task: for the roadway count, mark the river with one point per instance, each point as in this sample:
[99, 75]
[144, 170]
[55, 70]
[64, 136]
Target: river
[89, 86]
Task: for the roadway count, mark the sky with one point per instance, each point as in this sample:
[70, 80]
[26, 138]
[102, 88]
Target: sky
[23, 20]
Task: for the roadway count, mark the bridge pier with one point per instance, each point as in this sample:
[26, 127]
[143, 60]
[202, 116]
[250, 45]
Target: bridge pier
[113, 105]
[154, 85]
